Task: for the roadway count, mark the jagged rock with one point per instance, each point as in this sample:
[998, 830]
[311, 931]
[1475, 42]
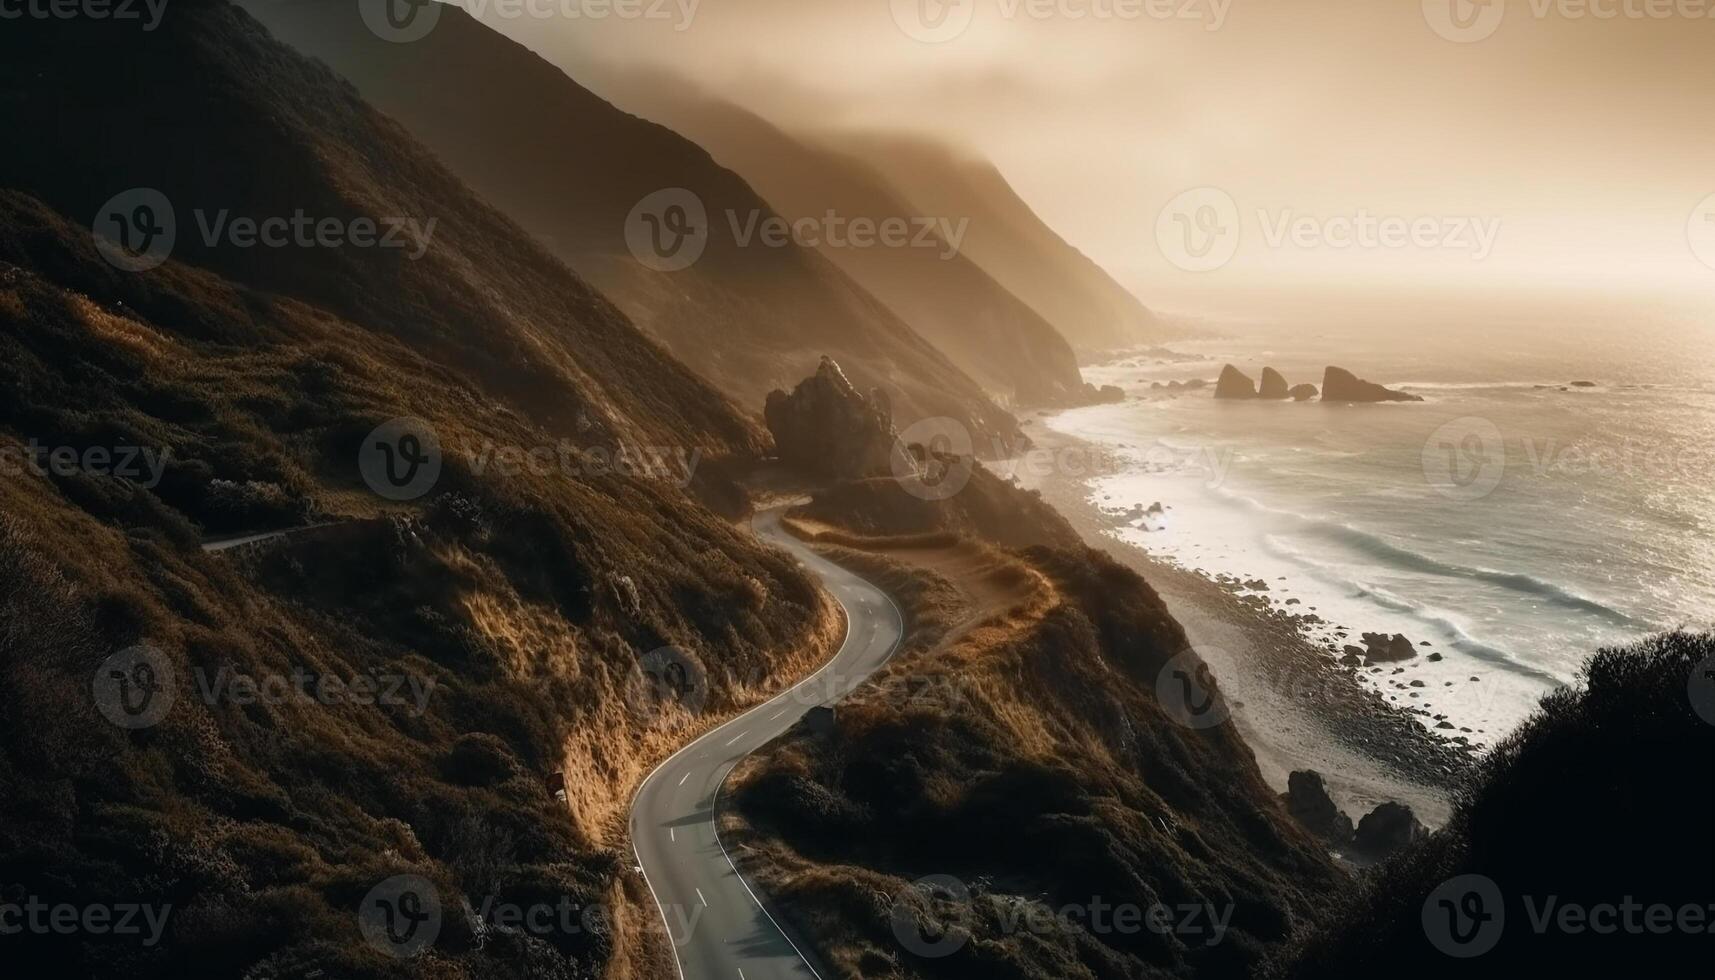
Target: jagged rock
[1105, 395]
[1386, 649]
[1303, 392]
[1233, 383]
[1433, 658]
[1308, 801]
[1341, 385]
[1386, 829]
[1273, 385]
[830, 428]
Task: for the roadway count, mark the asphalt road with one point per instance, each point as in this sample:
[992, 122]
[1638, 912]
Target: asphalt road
[718, 927]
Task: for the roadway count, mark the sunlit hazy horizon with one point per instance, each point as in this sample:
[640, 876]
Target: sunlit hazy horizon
[1578, 141]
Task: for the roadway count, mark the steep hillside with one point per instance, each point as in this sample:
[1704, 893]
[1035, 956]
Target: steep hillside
[1010, 241]
[1014, 795]
[929, 281]
[571, 168]
[262, 746]
[1581, 848]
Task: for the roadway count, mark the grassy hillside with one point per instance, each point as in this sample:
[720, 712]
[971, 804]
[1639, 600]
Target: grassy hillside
[513, 609]
[570, 168]
[1012, 797]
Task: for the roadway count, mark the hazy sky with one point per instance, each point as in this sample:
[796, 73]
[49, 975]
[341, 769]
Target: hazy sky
[1564, 150]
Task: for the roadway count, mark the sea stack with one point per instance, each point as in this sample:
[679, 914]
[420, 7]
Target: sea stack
[1303, 392]
[1234, 384]
[1273, 385]
[1341, 385]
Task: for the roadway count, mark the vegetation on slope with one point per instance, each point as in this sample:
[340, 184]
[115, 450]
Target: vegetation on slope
[507, 612]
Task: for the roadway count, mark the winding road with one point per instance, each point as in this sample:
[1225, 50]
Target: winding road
[718, 926]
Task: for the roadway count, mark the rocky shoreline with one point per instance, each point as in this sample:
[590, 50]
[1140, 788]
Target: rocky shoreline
[1288, 679]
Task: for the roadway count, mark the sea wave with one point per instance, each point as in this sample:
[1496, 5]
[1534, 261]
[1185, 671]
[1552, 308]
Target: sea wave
[1378, 549]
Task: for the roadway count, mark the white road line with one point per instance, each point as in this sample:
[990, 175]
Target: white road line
[673, 834]
[700, 898]
[738, 736]
[682, 779]
[779, 716]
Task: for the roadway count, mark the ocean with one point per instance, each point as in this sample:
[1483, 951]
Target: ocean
[1515, 520]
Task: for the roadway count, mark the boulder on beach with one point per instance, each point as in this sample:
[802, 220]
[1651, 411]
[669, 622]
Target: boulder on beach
[1341, 385]
[1386, 829]
[1308, 801]
[1388, 649]
[1273, 385]
[1303, 392]
[1234, 383]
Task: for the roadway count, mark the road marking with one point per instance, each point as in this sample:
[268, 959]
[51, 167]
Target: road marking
[682, 779]
[738, 736]
[702, 899]
[777, 717]
[673, 834]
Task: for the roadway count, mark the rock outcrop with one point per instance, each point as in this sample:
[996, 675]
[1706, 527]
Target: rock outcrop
[828, 427]
[1386, 829]
[1341, 385]
[1388, 649]
[1303, 392]
[1233, 383]
[1274, 385]
[1308, 801]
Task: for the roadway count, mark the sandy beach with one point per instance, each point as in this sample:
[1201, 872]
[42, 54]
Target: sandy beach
[1295, 705]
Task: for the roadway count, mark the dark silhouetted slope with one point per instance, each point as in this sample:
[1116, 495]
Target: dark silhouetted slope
[940, 291]
[522, 603]
[570, 168]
